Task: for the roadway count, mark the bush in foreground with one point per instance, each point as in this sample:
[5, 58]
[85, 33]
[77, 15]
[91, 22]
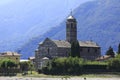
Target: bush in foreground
[72, 66]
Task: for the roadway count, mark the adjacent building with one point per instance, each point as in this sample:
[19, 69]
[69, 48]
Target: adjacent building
[10, 55]
[61, 48]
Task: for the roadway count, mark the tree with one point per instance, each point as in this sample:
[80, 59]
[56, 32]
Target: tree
[7, 66]
[24, 66]
[70, 65]
[7, 63]
[72, 49]
[118, 56]
[114, 64]
[110, 52]
[75, 49]
[118, 49]
[31, 67]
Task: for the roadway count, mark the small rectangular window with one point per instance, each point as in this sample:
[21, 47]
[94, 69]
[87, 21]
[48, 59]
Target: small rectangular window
[95, 50]
[71, 25]
[81, 49]
[88, 50]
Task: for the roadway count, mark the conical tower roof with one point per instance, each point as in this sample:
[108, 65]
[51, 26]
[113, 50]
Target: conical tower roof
[71, 16]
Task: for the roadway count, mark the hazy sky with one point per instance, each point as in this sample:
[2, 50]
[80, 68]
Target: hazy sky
[4, 2]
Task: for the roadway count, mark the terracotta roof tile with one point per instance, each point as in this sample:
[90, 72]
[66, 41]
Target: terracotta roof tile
[10, 54]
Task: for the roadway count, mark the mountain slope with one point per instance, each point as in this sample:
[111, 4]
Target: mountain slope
[97, 20]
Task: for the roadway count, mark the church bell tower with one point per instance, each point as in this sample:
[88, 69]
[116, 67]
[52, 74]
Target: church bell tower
[71, 29]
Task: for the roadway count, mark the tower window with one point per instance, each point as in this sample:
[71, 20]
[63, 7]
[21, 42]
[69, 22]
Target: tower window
[81, 49]
[71, 25]
[95, 50]
[88, 50]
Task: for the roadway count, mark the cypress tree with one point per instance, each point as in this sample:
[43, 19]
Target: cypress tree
[72, 49]
[110, 52]
[119, 48]
[75, 49]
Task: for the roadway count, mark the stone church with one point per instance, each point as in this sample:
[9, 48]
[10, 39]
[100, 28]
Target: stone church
[49, 48]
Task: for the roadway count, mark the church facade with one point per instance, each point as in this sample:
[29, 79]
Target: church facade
[49, 48]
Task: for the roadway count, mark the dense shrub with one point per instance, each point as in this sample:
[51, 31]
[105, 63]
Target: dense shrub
[72, 66]
[64, 66]
[7, 63]
[26, 65]
[114, 64]
[8, 67]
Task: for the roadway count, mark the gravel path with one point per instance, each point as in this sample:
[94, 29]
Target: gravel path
[18, 78]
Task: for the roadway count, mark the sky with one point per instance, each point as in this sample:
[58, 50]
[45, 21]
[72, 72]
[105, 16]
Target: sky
[4, 2]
